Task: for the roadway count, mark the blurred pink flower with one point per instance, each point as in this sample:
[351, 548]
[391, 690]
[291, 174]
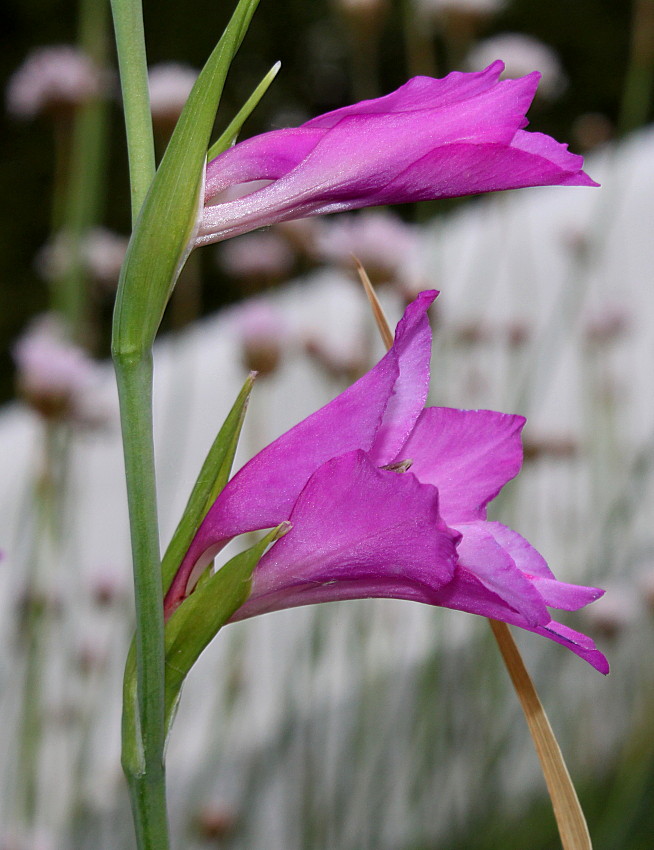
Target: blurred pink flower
[387, 498]
[101, 255]
[379, 239]
[521, 53]
[53, 79]
[170, 85]
[53, 375]
[429, 139]
[261, 255]
[263, 334]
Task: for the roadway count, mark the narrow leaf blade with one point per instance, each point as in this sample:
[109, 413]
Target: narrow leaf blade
[211, 480]
[228, 137]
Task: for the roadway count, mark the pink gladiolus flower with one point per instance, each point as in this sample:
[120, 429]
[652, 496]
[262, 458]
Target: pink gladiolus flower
[429, 139]
[387, 498]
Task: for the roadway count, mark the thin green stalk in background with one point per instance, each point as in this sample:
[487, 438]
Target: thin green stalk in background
[85, 175]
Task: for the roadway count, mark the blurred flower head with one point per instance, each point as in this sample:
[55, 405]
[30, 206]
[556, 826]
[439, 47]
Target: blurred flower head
[521, 54]
[380, 240]
[264, 257]
[614, 613]
[262, 331]
[54, 80]
[170, 85]
[101, 255]
[54, 376]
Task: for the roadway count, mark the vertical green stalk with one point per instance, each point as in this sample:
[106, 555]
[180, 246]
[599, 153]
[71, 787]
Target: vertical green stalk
[143, 749]
[133, 66]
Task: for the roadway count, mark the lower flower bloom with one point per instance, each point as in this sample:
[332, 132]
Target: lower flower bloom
[387, 498]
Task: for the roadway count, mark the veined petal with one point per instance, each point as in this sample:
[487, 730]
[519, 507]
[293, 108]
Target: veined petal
[413, 347]
[421, 93]
[429, 139]
[357, 532]
[469, 455]
[466, 593]
[555, 594]
[466, 168]
[263, 492]
[487, 560]
[265, 157]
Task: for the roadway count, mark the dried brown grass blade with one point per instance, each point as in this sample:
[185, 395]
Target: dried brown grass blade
[570, 819]
[377, 310]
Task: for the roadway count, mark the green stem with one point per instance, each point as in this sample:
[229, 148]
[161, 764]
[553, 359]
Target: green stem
[148, 797]
[143, 746]
[132, 62]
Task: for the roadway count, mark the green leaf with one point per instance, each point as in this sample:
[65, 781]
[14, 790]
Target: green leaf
[164, 232]
[211, 480]
[201, 616]
[228, 137]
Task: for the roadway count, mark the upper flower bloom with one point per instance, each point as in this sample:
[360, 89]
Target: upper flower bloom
[429, 139]
[387, 498]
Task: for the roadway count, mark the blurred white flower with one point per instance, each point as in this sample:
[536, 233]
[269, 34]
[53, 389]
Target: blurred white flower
[53, 79]
[263, 333]
[101, 254]
[170, 85]
[54, 376]
[521, 54]
[614, 612]
[474, 7]
[263, 254]
[380, 240]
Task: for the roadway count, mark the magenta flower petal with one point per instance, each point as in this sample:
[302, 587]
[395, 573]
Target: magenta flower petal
[357, 532]
[380, 409]
[482, 555]
[429, 139]
[523, 553]
[389, 500]
[555, 594]
[422, 93]
[469, 455]
[413, 348]
[266, 157]
[466, 593]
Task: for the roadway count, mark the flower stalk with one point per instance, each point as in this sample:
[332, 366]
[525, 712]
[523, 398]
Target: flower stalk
[143, 752]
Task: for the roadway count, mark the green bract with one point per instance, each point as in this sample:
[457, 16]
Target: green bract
[211, 480]
[200, 617]
[164, 231]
